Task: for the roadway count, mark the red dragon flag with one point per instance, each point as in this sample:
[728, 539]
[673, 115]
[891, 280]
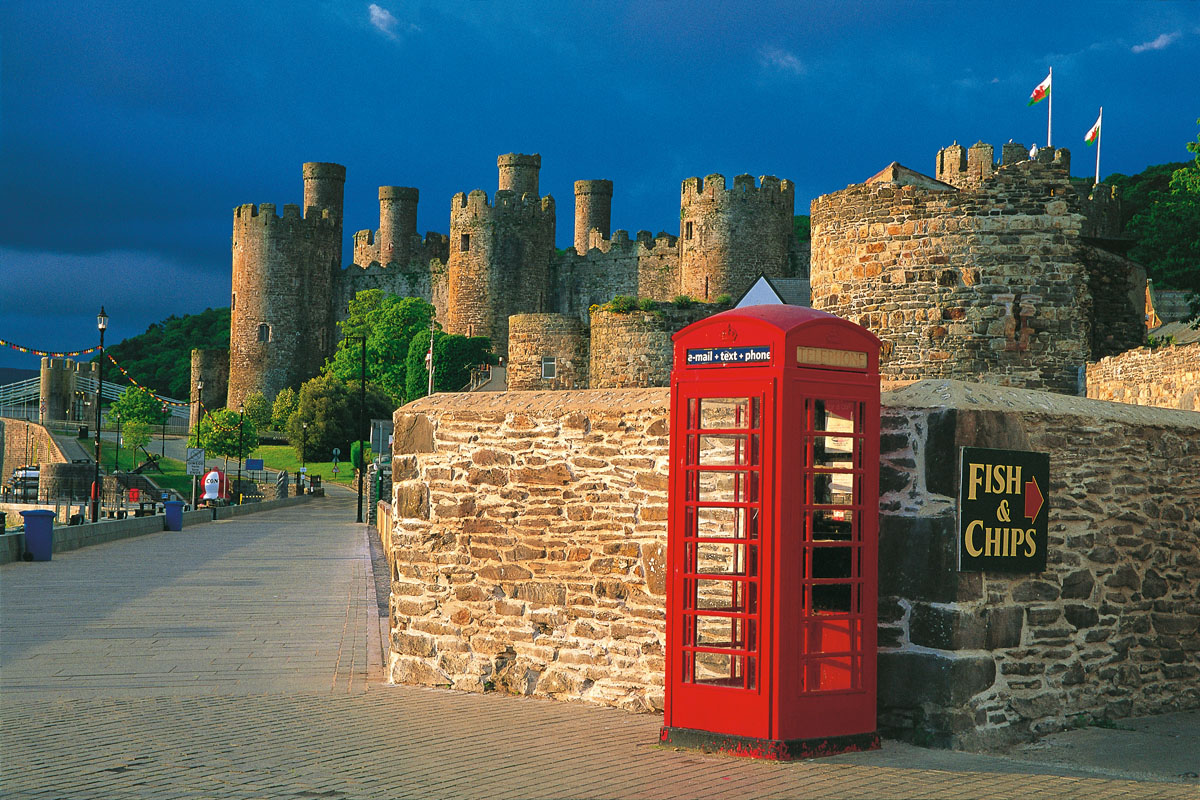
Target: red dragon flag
[1042, 91]
[1094, 132]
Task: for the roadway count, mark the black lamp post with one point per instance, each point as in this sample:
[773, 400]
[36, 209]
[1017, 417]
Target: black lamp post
[164, 431]
[303, 444]
[101, 323]
[196, 442]
[241, 416]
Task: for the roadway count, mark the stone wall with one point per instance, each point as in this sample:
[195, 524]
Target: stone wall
[529, 537]
[634, 349]
[212, 366]
[24, 442]
[1167, 377]
[534, 337]
[1109, 629]
[1117, 289]
[528, 546]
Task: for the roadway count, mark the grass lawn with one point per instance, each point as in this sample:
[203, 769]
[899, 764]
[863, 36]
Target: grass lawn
[173, 475]
[283, 456]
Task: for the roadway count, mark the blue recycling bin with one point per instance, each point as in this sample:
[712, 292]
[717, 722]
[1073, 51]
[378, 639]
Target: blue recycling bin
[173, 509]
[39, 533]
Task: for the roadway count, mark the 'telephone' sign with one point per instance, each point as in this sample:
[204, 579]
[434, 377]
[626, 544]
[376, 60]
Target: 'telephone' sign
[1002, 510]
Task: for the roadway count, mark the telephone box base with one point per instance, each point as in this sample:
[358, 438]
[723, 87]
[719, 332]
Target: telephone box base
[769, 749]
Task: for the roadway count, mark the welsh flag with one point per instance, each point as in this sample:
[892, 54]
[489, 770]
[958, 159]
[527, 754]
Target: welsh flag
[1094, 133]
[1041, 92]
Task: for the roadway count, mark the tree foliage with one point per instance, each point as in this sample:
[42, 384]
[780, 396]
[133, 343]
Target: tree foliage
[136, 434]
[138, 405]
[218, 434]
[283, 407]
[453, 359]
[389, 323]
[1168, 231]
[161, 358]
[330, 407]
[258, 410]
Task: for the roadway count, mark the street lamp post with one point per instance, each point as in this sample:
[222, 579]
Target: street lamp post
[164, 431]
[102, 324]
[196, 442]
[362, 413]
[241, 416]
[303, 444]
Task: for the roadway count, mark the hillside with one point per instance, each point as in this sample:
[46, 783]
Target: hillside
[161, 358]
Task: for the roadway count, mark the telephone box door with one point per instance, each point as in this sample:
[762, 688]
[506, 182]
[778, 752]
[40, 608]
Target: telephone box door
[717, 669]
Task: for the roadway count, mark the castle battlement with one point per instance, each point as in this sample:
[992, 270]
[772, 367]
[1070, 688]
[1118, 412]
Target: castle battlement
[621, 244]
[477, 203]
[712, 188]
[264, 215]
[966, 168]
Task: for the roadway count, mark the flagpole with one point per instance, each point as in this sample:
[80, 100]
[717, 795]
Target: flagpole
[1050, 107]
[1099, 136]
[430, 392]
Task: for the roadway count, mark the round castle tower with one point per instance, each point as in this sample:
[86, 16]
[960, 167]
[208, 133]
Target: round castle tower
[981, 279]
[547, 351]
[397, 222]
[284, 270]
[211, 366]
[500, 253]
[634, 349]
[593, 211]
[728, 236]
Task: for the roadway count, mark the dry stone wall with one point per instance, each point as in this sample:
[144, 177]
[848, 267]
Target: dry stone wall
[535, 337]
[529, 544]
[1167, 377]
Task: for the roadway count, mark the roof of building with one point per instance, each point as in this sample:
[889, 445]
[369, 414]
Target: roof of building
[901, 175]
[1183, 332]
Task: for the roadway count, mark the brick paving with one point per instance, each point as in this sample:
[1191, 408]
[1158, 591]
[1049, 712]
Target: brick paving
[243, 659]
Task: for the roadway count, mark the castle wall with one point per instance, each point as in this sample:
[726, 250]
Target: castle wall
[634, 349]
[1167, 377]
[25, 443]
[66, 481]
[213, 367]
[647, 267]
[1117, 287]
[282, 314]
[727, 237]
[529, 535]
[979, 283]
[533, 337]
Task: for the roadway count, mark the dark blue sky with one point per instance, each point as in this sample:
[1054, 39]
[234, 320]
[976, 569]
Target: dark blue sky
[129, 130]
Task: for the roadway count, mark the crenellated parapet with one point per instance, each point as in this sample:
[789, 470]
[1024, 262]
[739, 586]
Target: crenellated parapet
[967, 168]
[731, 232]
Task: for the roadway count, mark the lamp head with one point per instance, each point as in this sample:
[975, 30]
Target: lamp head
[102, 319]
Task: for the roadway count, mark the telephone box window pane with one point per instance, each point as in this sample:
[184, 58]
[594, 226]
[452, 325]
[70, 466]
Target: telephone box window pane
[726, 487]
[834, 636]
[833, 488]
[728, 412]
[833, 598]
[727, 595]
[726, 523]
[728, 450]
[834, 451]
[719, 558]
[832, 562]
[835, 416]
[834, 525]
[720, 669]
[830, 674]
[721, 632]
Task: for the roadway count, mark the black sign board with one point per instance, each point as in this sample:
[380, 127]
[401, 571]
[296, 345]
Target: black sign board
[1003, 510]
[715, 356]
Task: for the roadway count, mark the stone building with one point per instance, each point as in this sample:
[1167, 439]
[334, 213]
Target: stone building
[498, 261]
[1004, 273]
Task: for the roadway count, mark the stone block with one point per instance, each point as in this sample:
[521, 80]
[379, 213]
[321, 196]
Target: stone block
[941, 452]
[945, 628]
[412, 433]
[410, 500]
[1004, 626]
[654, 567]
[919, 562]
[1081, 616]
[543, 593]
[550, 475]
[910, 680]
[1078, 585]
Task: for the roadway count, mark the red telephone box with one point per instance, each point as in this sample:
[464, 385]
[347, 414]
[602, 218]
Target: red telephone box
[773, 534]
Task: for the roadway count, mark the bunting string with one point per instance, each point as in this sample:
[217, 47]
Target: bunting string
[151, 392]
[35, 352]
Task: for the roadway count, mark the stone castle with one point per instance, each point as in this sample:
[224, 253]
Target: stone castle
[1001, 271]
[499, 261]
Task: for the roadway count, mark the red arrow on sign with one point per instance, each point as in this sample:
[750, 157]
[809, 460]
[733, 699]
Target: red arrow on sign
[1033, 499]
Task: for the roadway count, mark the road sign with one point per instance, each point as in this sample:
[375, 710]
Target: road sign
[254, 464]
[1003, 511]
[336, 452]
[195, 461]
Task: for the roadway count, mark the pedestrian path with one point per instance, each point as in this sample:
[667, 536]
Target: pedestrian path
[244, 659]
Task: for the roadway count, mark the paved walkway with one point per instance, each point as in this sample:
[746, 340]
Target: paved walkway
[243, 659]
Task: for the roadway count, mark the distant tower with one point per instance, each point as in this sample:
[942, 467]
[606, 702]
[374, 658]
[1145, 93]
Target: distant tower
[397, 223]
[728, 236]
[500, 253]
[284, 268]
[593, 209]
[211, 366]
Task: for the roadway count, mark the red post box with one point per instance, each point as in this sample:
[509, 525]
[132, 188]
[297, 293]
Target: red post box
[773, 534]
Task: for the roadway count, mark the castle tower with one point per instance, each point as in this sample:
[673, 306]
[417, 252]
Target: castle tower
[728, 236]
[593, 210]
[211, 366]
[397, 223]
[519, 173]
[500, 254]
[282, 308]
[55, 389]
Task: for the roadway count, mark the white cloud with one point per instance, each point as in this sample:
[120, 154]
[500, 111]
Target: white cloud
[1162, 42]
[782, 60]
[383, 20]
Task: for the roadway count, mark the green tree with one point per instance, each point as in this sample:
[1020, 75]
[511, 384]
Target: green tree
[258, 410]
[388, 322]
[138, 405]
[161, 358]
[1168, 231]
[453, 359]
[136, 434]
[284, 406]
[330, 407]
[219, 435]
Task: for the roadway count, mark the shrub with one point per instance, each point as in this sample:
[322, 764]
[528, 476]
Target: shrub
[683, 301]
